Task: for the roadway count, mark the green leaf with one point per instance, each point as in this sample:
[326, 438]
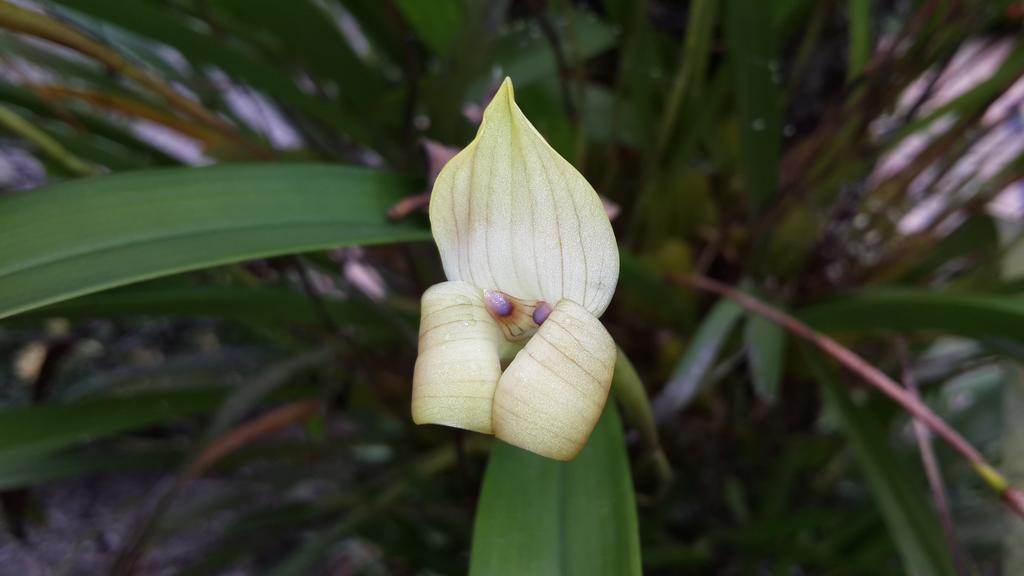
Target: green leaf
[87, 235]
[96, 125]
[860, 36]
[968, 314]
[153, 21]
[303, 29]
[542, 517]
[49, 427]
[751, 42]
[525, 55]
[912, 523]
[647, 291]
[688, 83]
[970, 101]
[688, 375]
[47, 467]
[281, 307]
[436, 23]
[1013, 462]
[766, 343]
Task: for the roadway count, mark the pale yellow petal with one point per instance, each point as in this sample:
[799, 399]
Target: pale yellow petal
[458, 367]
[509, 213]
[552, 394]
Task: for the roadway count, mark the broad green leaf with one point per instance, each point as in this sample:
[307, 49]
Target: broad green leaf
[542, 517]
[87, 235]
[684, 384]
[751, 43]
[969, 314]
[766, 347]
[912, 523]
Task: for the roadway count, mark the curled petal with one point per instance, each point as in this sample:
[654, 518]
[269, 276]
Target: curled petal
[552, 394]
[458, 366]
[509, 213]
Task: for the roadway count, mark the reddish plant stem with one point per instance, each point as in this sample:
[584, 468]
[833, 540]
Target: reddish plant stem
[873, 376]
[931, 465]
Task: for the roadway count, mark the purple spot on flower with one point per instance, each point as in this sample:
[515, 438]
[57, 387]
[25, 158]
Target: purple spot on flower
[497, 303]
[541, 313]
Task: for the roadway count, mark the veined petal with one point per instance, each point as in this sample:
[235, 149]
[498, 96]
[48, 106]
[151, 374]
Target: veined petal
[458, 367]
[550, 397]
[509, 213]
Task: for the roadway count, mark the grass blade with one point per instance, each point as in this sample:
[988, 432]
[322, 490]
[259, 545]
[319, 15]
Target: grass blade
[968, 314]
[751, 43]
[860, 36]
[1013, 459]
[912, 524]
[766, 347]
[47, 467]
[685, 381]
[49, 427]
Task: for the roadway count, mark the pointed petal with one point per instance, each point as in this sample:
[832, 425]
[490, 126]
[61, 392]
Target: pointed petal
[458, 367]
[551, 396]
[509, 213]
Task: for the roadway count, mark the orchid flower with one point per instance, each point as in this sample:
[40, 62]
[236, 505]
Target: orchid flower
[532, 263]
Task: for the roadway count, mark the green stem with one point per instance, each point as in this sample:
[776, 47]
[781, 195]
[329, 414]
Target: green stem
[629, 390]
[44, 142]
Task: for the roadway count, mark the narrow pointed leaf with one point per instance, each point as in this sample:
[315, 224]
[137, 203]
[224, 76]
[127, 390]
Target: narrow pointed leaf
[686, 379]
[44, 428]
[766, 342]
[968, 314]
[1013, 461]
[751, 43]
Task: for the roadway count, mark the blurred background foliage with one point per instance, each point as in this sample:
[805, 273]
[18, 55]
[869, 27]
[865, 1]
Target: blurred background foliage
[245, 408]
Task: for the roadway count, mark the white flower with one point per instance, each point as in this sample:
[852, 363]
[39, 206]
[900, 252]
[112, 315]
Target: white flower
[532, 263]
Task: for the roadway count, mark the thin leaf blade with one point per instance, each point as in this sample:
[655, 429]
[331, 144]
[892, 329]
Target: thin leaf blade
[969, 314]
[766, 342]
[752, 44]
[912, 524]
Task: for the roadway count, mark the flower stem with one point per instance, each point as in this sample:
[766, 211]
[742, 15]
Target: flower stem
[1013, 496]
[629, 390]
[931, 465]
